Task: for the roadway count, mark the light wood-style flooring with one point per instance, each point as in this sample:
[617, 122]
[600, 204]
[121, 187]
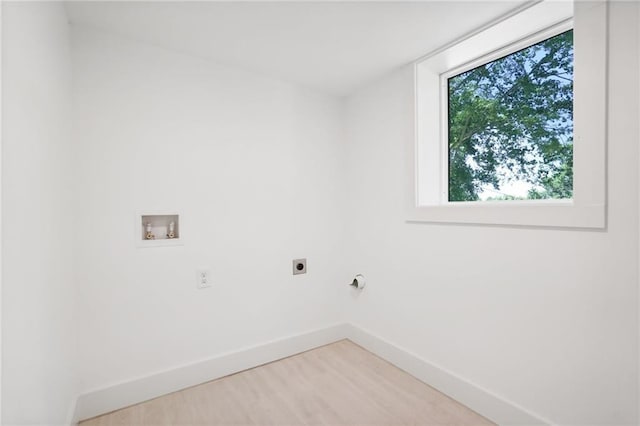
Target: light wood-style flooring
[337, 384]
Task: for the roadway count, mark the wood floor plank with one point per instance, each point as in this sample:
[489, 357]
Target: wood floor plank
[337, 384]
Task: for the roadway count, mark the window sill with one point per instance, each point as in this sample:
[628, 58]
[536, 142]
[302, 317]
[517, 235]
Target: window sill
[538, 213]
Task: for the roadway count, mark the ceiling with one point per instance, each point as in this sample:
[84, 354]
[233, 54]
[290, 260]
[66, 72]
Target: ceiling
[335, 47]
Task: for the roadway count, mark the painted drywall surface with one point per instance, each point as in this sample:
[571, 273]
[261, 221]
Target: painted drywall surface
[544, 318]
[38, 293]
[253, 167]
[289, 40]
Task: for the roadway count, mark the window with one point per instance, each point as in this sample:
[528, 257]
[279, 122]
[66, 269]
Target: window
[510, 125]
[510, 122]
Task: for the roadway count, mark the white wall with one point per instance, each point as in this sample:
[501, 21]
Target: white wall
[546, 319]
[253, 166]
[38, 293]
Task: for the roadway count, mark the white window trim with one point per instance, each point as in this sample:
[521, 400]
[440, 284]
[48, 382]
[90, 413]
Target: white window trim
[427, 202]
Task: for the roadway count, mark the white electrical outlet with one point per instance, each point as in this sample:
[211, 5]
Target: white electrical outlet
[203, 278]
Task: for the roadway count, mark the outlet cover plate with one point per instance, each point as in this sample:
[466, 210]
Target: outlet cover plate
[299, 266]
[203, 278]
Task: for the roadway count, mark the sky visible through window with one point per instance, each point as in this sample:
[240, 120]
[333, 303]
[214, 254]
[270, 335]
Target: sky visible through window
[510, 126]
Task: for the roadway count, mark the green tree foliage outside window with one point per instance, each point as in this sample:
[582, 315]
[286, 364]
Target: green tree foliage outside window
[511, 121]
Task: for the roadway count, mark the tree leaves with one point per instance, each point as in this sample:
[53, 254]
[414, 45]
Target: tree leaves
[512, 120]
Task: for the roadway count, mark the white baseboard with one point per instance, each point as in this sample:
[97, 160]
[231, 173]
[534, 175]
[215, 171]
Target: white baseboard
[482, 401]
[71, 413]
[101, 401]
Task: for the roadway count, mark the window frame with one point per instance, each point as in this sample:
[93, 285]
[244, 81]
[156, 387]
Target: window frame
[428, 198]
